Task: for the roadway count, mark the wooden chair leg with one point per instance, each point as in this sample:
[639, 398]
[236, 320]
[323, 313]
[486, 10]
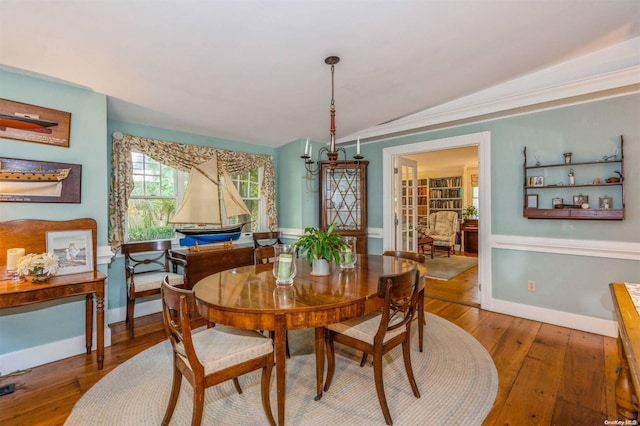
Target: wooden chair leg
[265, 386]
[377, 374]
[236, 383]
[363, 361]
[421, 319]
[173, 397]
[198, 404]
[131, 303]
[406, 355]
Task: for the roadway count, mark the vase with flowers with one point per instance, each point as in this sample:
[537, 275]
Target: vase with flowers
[38, 267]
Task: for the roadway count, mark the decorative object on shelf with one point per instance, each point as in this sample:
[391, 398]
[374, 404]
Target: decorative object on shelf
[615, 179]
[579, 200]
[284, 266]
[38, 267]
[470, 212]
[13, 255]
[557, 203]
[536, 181]
[319, 244]
[532, 201]
[567, 157]
[596, 181]
[572, 177]
[348, 253]
[537, 160]
[74, 249]
[332, 152]
[605, 202]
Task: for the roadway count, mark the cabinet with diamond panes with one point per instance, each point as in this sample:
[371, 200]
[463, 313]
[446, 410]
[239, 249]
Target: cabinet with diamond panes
[343, 199]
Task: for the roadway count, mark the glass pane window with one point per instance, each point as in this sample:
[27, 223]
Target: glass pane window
[153, 199]
[248, 185]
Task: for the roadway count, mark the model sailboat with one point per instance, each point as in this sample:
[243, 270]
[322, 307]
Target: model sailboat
[207, 199]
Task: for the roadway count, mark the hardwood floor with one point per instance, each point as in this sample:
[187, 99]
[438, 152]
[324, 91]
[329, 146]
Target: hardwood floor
[548, 375]
[460, 289]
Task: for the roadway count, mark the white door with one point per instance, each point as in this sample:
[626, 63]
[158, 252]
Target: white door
[405, 183]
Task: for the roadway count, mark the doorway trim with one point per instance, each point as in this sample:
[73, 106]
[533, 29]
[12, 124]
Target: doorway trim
[483, 141]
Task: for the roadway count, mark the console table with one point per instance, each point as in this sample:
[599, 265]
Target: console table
[209, 260]
[31, 235]
[13, 294]
[628, 383]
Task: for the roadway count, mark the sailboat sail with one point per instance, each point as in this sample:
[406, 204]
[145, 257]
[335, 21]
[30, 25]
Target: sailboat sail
[201, 204]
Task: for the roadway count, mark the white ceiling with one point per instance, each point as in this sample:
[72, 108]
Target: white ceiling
[254, 70]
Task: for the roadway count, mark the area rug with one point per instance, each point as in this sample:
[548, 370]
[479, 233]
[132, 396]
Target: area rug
[456, 376]
[444, 268]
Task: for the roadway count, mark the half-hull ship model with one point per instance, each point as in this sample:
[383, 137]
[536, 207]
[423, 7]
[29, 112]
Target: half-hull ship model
[29, 122]
[207, 199]
[44, 183]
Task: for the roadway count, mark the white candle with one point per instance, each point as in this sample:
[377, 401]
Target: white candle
[13, 254]
[306, 147]
[358, 146]
[310, 148]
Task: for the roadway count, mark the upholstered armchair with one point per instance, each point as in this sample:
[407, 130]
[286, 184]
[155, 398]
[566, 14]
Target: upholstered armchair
[443, 228]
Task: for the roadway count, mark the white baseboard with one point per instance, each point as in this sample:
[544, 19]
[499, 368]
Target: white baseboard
[54, 351]
[564, 319]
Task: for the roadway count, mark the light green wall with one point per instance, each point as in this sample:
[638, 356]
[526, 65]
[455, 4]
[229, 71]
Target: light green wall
[49, 322]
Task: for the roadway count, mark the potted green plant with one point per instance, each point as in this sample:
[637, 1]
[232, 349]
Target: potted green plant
[320, 246]
[470, 214]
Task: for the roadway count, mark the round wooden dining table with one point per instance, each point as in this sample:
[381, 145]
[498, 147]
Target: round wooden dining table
[248, 298]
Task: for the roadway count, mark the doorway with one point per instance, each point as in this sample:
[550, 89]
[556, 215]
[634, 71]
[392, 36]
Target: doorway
[482, 142]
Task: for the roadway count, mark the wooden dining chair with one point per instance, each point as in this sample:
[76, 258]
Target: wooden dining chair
[264, 254]
[266, 238]
[379, 332]
[418, 258]
[146, 264]
[211, 356]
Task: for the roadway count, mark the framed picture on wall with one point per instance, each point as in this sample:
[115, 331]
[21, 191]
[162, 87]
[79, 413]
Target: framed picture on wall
[532, 201]
[33, 123]
[74, 250]
[33, 181]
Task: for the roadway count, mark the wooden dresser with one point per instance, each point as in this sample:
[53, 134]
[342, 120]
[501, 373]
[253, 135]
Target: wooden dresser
[207, 261]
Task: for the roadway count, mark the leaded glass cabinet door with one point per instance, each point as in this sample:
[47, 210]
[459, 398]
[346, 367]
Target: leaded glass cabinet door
[343, 199]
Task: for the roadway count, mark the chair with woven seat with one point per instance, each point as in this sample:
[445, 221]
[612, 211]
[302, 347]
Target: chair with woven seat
[263, 243]
[443, 228]
[418, 258]
[379, 332]
[211, 356]
[146, 264]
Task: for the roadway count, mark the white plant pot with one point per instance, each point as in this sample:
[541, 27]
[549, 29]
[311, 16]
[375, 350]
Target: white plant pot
[320, 267]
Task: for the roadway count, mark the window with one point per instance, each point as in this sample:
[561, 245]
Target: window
[159, 188]
[248, 185]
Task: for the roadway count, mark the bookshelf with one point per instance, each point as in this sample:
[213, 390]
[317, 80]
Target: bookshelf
[445, 193]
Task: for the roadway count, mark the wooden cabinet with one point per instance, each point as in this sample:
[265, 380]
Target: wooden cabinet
[445, 193]
[207, 261]
[575, 190]
[343, 199]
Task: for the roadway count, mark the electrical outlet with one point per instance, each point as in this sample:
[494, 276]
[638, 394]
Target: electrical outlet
[531, 285]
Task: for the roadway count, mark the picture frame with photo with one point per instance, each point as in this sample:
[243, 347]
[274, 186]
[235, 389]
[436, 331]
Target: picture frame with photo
[536, 181]
[605, 202]
[532, 201]
[579, 200]
[74, 249]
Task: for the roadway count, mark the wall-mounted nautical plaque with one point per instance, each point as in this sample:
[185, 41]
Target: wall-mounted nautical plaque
[32, 123]
[31, 181]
